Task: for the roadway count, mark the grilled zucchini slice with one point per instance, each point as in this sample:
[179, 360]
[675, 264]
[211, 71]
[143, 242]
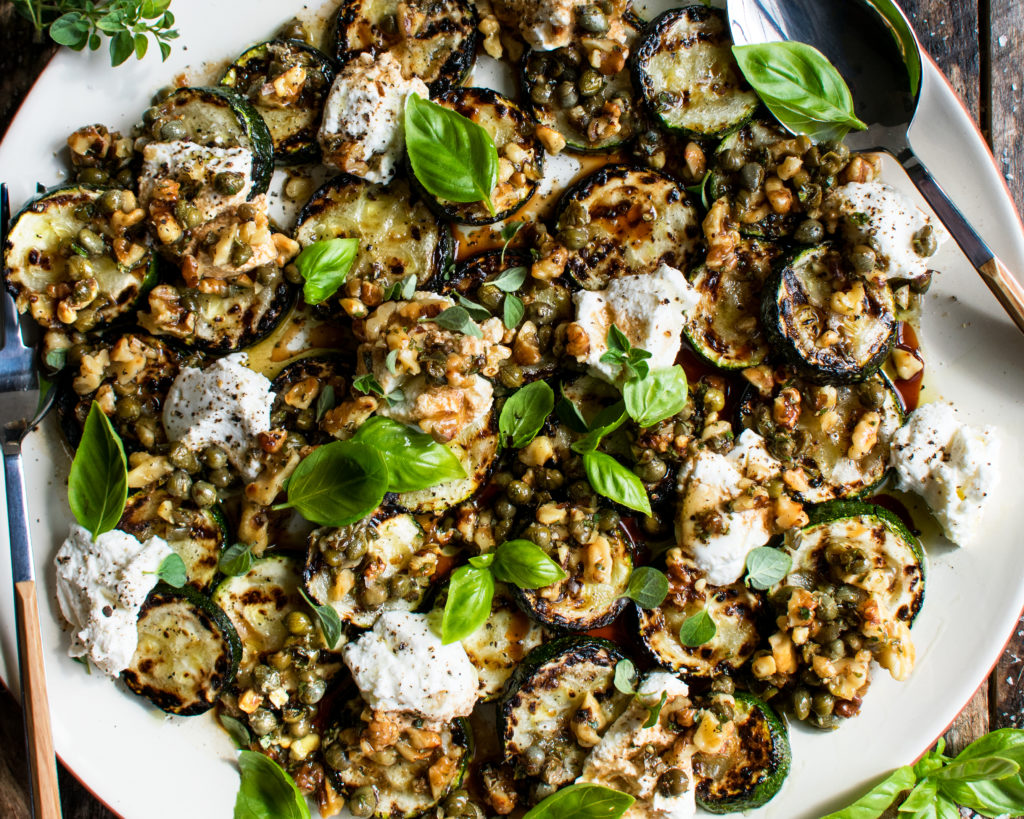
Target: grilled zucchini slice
[598, 561]
[385, 559]
[65, 263]
[686, 73]
[820, 438]
[633, 221]
[286, 81]
[305, 391]
[520, 154]
[219, 117]
[560, 688]
[752, 764]
[434, 40]
[410, 785]
[197, 535]
[188, 652]
[735, 610]
[800, 316]
[398, 234]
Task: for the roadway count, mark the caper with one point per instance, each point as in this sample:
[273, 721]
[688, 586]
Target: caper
[215, 457]
[312, 692]
[93, 176]
[549, 478]
[542, 313]
[179, 484]
[267, 679]
[456, 803]
[373, 595]
[714, 400]
[809, 232]
[490, 296]
[925, 243]
[78, 268]
[674, 782]
[362, 802]
[752, 177]
[801, 703]
[305, 419]
[590, 83]
[262, 722]
[295, 30]
[854, 641]
[828, 722]
[229, 182]
[574, 238]
[298, 623]
[204, 494]
[334, 755]
[732, 160]
[651, 470]
[822, 704]
[91, 242]
[608, 520]
[581, 492]
[592, 19]
[173, 130]
[722, 709]
[82, 291]
[542, 93]
[240, 253]
[356, 549]
[723, 684]
[534, 758]
[568, 96]
[504, 509]
[247, 211]
[187, 214]
[519, 492]
[129, 408]
[863, 259]
[151, 114]
[581, 529]
[333, 557]
[541, 535]
[511, 374]
[402, 586]
[827, 608]
[221, 478]
[836, 649]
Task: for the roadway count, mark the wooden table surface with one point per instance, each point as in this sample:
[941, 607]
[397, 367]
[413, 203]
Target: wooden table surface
[979, 44]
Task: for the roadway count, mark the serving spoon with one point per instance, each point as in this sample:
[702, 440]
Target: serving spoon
[874, 47]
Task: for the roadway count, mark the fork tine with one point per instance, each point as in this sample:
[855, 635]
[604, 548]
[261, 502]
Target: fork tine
[12, 327]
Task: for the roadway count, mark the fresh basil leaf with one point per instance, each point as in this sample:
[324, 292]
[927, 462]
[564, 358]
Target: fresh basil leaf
[98, 483]
[697, 629]
[458, 320]
[483, 561]
[930, 762]
[338, 483]
[236, 730]
[477, 312]
[920, 798]
[328, 620]
[655, 711]
[235, 560]
[647, 587]
[582, 801]
[655, 397]
[513, 311]
[452, 156]
[766, 567]
[1004, 742]
[510, 280]
[625, 678]
[267, 791]
[470, 592]
[614, 481]
[976, 770]
[414, 459]
[325, 401]
[874, 803]
[568, 413]
[607, 421]
[525, 564]
[524, 414]
[942, 808]
[324, 266]
[799, 85]
[172, 571]
[616, 340]
[994, 798]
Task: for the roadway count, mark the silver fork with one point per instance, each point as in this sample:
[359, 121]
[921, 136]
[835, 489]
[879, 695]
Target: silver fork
[20, 413]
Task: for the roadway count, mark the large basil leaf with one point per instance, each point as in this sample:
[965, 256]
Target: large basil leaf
[524, 414]
[610, 478]
[526, 565]
[98, 483]
[582, 801]
[267, 791]
[338, 484]
[415, 460]
[452, 156]
[470, 592]
[874, 803]
[657, 396]
[324, 265]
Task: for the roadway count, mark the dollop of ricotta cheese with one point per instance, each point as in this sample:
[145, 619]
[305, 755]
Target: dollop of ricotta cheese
[880, 214]
[226, 404]
[362, 131]
[101, 586]
[401, 665]
[950, 464]
[650, 309]
[712, 528]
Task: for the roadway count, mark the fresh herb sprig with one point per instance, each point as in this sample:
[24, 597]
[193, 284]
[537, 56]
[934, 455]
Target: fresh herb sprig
[80, 24]
[98, 483]
[266, 790]
[524, 413]
[698, 629]
[324, 266]
[632, 360]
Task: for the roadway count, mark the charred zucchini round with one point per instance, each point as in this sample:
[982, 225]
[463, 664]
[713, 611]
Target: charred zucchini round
[433, 40]
[686, 73]
[622, 221]
[834, 328]
[286, 81]
[305, 391]
[552, 703]
[66, 262]
[188, 652]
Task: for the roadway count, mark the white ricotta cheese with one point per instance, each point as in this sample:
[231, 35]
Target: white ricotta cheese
[194, 167]
[225, 404]
[649, 309]
[871, 210]
[952, 465]
[401, 665]
[101, 587]
[362, 130]
[709, 529]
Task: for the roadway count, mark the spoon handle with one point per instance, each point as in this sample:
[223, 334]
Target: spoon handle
[1004, 285]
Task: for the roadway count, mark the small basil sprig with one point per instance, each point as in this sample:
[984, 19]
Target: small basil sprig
[402, 290]
[414, 459]
[524, 414]
[172, 570]
[98, 483]
[512, 311]
[607, 476]
[452, 156]
[632, 360]
[656, 396]
[477, 312]
[766, 567]
[458, 320]
[648, 587]
[698, 629]
[655, 711]
[267, 791]
[235, 560]
[328, 620]
[324, 266]
[338, 484]
[369, 385]
[801, 88]
[471, 588]
[582, 801]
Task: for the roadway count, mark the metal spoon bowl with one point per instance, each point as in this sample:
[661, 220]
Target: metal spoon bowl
[872, 44]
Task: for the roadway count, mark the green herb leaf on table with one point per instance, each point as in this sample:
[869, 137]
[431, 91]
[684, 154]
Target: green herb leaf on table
[766, 567]
[625, 678]
[414, 459]
[657, 396]
[98, 483]
[509, 281]
[338, 483]
[267, 791]
[524, 413]
[235, 560]
[470, 592]
[328, 620]
[458, 320]
[236, 729]
[614, 481]
[697, 629]
[172, 570]
[801, 88]
[655, 711]
[513, 311]
[451, 156]
[582, 801]
[324, 266]
[525, 565]
[648, 587]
